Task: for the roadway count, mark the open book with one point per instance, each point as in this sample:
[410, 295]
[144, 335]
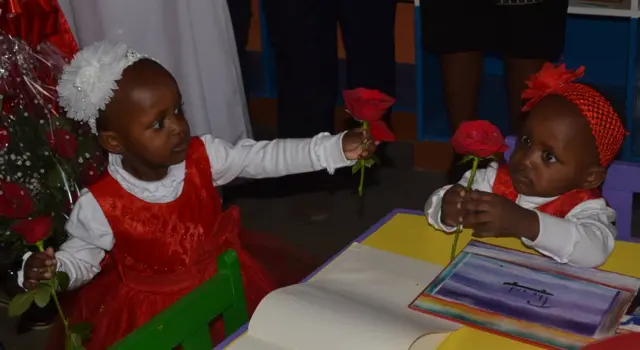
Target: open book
[358, 301]
[528, 297]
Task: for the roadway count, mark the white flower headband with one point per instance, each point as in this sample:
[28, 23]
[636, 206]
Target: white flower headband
[88, 82]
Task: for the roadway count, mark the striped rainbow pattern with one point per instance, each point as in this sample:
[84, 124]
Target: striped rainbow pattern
[519, 330]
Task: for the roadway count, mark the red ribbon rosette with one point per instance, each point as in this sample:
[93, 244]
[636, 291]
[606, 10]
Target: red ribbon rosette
[548, 80]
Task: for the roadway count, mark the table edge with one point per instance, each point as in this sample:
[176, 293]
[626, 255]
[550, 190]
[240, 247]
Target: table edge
[373, 228]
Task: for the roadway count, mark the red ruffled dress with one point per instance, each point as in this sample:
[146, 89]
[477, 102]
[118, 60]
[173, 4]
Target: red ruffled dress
[164, 250]
[559, 207]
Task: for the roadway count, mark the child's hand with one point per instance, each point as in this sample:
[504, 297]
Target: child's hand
[452, 211]
[354, 142]
[491, 215]
[38, 267]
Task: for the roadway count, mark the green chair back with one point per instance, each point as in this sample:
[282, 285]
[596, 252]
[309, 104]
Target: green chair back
[186, 323]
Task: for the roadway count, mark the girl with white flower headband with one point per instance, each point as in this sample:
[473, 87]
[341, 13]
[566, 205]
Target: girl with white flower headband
[193, 39]
[150, 229]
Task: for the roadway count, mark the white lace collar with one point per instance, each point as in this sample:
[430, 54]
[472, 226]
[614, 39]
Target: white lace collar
[164, 190]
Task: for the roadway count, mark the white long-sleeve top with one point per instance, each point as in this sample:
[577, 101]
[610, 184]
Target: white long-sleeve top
[585, 237]
[90, 235]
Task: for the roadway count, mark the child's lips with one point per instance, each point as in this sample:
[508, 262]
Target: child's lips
[182, 146]
[519, 179]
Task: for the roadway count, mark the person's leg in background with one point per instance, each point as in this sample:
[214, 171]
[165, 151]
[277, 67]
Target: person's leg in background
[304, 38]
[240, 12]
[368, 33]
[526, 45]
[303, 35]
[457, 32]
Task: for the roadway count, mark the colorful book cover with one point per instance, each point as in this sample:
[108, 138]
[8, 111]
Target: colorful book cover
[528, 297]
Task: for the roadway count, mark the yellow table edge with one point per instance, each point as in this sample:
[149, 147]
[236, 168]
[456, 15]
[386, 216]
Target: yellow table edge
[406, 232]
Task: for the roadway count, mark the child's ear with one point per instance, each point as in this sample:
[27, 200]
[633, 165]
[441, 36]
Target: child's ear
[110, 141]
[595, 177]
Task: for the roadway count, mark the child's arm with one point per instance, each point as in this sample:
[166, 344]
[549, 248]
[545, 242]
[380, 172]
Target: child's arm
[585, 237]
[261, 159]
[433, 209]
[89, 236]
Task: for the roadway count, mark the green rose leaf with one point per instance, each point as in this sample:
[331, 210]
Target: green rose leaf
[82, 329]
[74, 342]
[467, 158]
[375, 158]
[21, 302]
[42, 295]
[356, 167]
[62, 281]
[369, 163]
[54, 178]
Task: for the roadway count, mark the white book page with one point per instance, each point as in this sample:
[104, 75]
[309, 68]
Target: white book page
[359, 301]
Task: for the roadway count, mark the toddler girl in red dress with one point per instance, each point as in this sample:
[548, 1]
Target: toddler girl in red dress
[150, 229]
[549, 194]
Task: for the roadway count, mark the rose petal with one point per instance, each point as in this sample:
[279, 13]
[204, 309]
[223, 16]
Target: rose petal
[381, 132]
[366, 104]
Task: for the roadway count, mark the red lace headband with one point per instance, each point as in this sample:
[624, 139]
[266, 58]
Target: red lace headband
[605, 123]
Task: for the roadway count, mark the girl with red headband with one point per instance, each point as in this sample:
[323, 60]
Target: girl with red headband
[549, 194]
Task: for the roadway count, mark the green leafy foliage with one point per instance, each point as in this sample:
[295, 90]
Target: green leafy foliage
[61, 281]
[42, 295]
[21, 302]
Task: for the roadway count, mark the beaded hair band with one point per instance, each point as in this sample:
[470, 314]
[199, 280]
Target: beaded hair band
[604, 122]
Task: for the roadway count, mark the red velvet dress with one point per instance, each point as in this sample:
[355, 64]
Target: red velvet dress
[162, 251]
[558, 207]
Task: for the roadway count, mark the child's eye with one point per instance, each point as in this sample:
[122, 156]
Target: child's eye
[525, 141]
[549, 157]
[179, 110]
[159, 124]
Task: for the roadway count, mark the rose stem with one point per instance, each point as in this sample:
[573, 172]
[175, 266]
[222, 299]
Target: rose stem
[456, 236]
[363, 128]
[54, 295]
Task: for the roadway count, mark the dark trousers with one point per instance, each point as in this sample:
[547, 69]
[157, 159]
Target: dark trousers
[303, 34]
[240, 12]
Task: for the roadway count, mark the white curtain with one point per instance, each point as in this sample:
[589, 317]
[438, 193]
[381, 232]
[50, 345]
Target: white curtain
[192, 38]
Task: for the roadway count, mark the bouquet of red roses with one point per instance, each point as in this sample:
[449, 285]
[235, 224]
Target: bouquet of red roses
[45, 159]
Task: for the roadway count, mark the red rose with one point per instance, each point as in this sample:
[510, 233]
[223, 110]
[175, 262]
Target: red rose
[370, 106]
[478, 138]
[4, 139]
[33, 230]
[63, 143]
[367, 105]
[15, 201]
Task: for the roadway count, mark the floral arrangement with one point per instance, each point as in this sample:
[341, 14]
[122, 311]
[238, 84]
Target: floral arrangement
[44, 160]
[369, 107]
[475, 140]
